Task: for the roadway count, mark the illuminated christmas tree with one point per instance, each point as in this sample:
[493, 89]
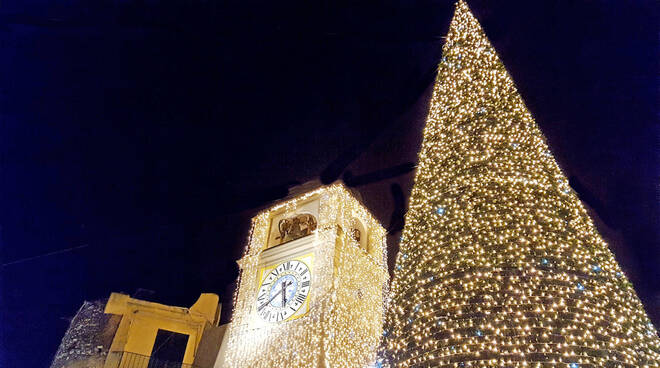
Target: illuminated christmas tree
[500, 264]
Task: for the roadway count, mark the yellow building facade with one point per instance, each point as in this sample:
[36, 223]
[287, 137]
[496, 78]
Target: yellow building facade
[141, 320]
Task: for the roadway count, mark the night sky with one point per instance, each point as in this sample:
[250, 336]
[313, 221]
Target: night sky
[140, 136]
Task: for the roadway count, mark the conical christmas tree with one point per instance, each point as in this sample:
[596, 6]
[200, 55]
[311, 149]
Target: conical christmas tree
[500, 264]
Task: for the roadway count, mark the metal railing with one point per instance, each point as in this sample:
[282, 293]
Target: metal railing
[125, 359]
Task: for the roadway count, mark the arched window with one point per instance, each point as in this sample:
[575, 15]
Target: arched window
[358, 233]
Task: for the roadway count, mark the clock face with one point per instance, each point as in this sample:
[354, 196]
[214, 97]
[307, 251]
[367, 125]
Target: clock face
[283, 291]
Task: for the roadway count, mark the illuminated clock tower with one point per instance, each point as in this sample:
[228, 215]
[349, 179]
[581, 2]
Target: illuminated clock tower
[312, 284]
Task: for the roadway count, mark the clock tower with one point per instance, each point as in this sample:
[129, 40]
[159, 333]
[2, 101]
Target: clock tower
[312, 285]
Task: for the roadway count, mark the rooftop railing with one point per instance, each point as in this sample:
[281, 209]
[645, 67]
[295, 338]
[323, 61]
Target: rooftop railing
[125, 359]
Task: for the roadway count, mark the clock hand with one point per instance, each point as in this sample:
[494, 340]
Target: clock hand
[274, 296]
[284, 286]
[268, 302]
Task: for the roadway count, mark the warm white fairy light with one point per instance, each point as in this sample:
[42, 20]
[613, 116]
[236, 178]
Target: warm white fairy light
[500, 264]
[346, 315]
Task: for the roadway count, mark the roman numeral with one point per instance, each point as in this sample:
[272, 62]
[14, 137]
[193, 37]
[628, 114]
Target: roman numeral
[280, 316]
[305, 284]
[304, 272]
[300, 298]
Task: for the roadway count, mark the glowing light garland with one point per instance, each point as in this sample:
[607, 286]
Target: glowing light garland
[344, 323]
[500, 264]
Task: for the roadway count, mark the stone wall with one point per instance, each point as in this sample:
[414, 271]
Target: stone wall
[87, 341]
[209, 346]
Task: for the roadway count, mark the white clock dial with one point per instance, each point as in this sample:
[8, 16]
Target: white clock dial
[283, 291]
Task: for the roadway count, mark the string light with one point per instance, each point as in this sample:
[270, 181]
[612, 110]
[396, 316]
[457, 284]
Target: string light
[511, 272]
[344, 325]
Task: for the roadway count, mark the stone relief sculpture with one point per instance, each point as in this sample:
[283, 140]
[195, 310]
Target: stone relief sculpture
[296, 227]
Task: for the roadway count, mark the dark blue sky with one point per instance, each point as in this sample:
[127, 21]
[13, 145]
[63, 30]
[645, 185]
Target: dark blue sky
[146, 133]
